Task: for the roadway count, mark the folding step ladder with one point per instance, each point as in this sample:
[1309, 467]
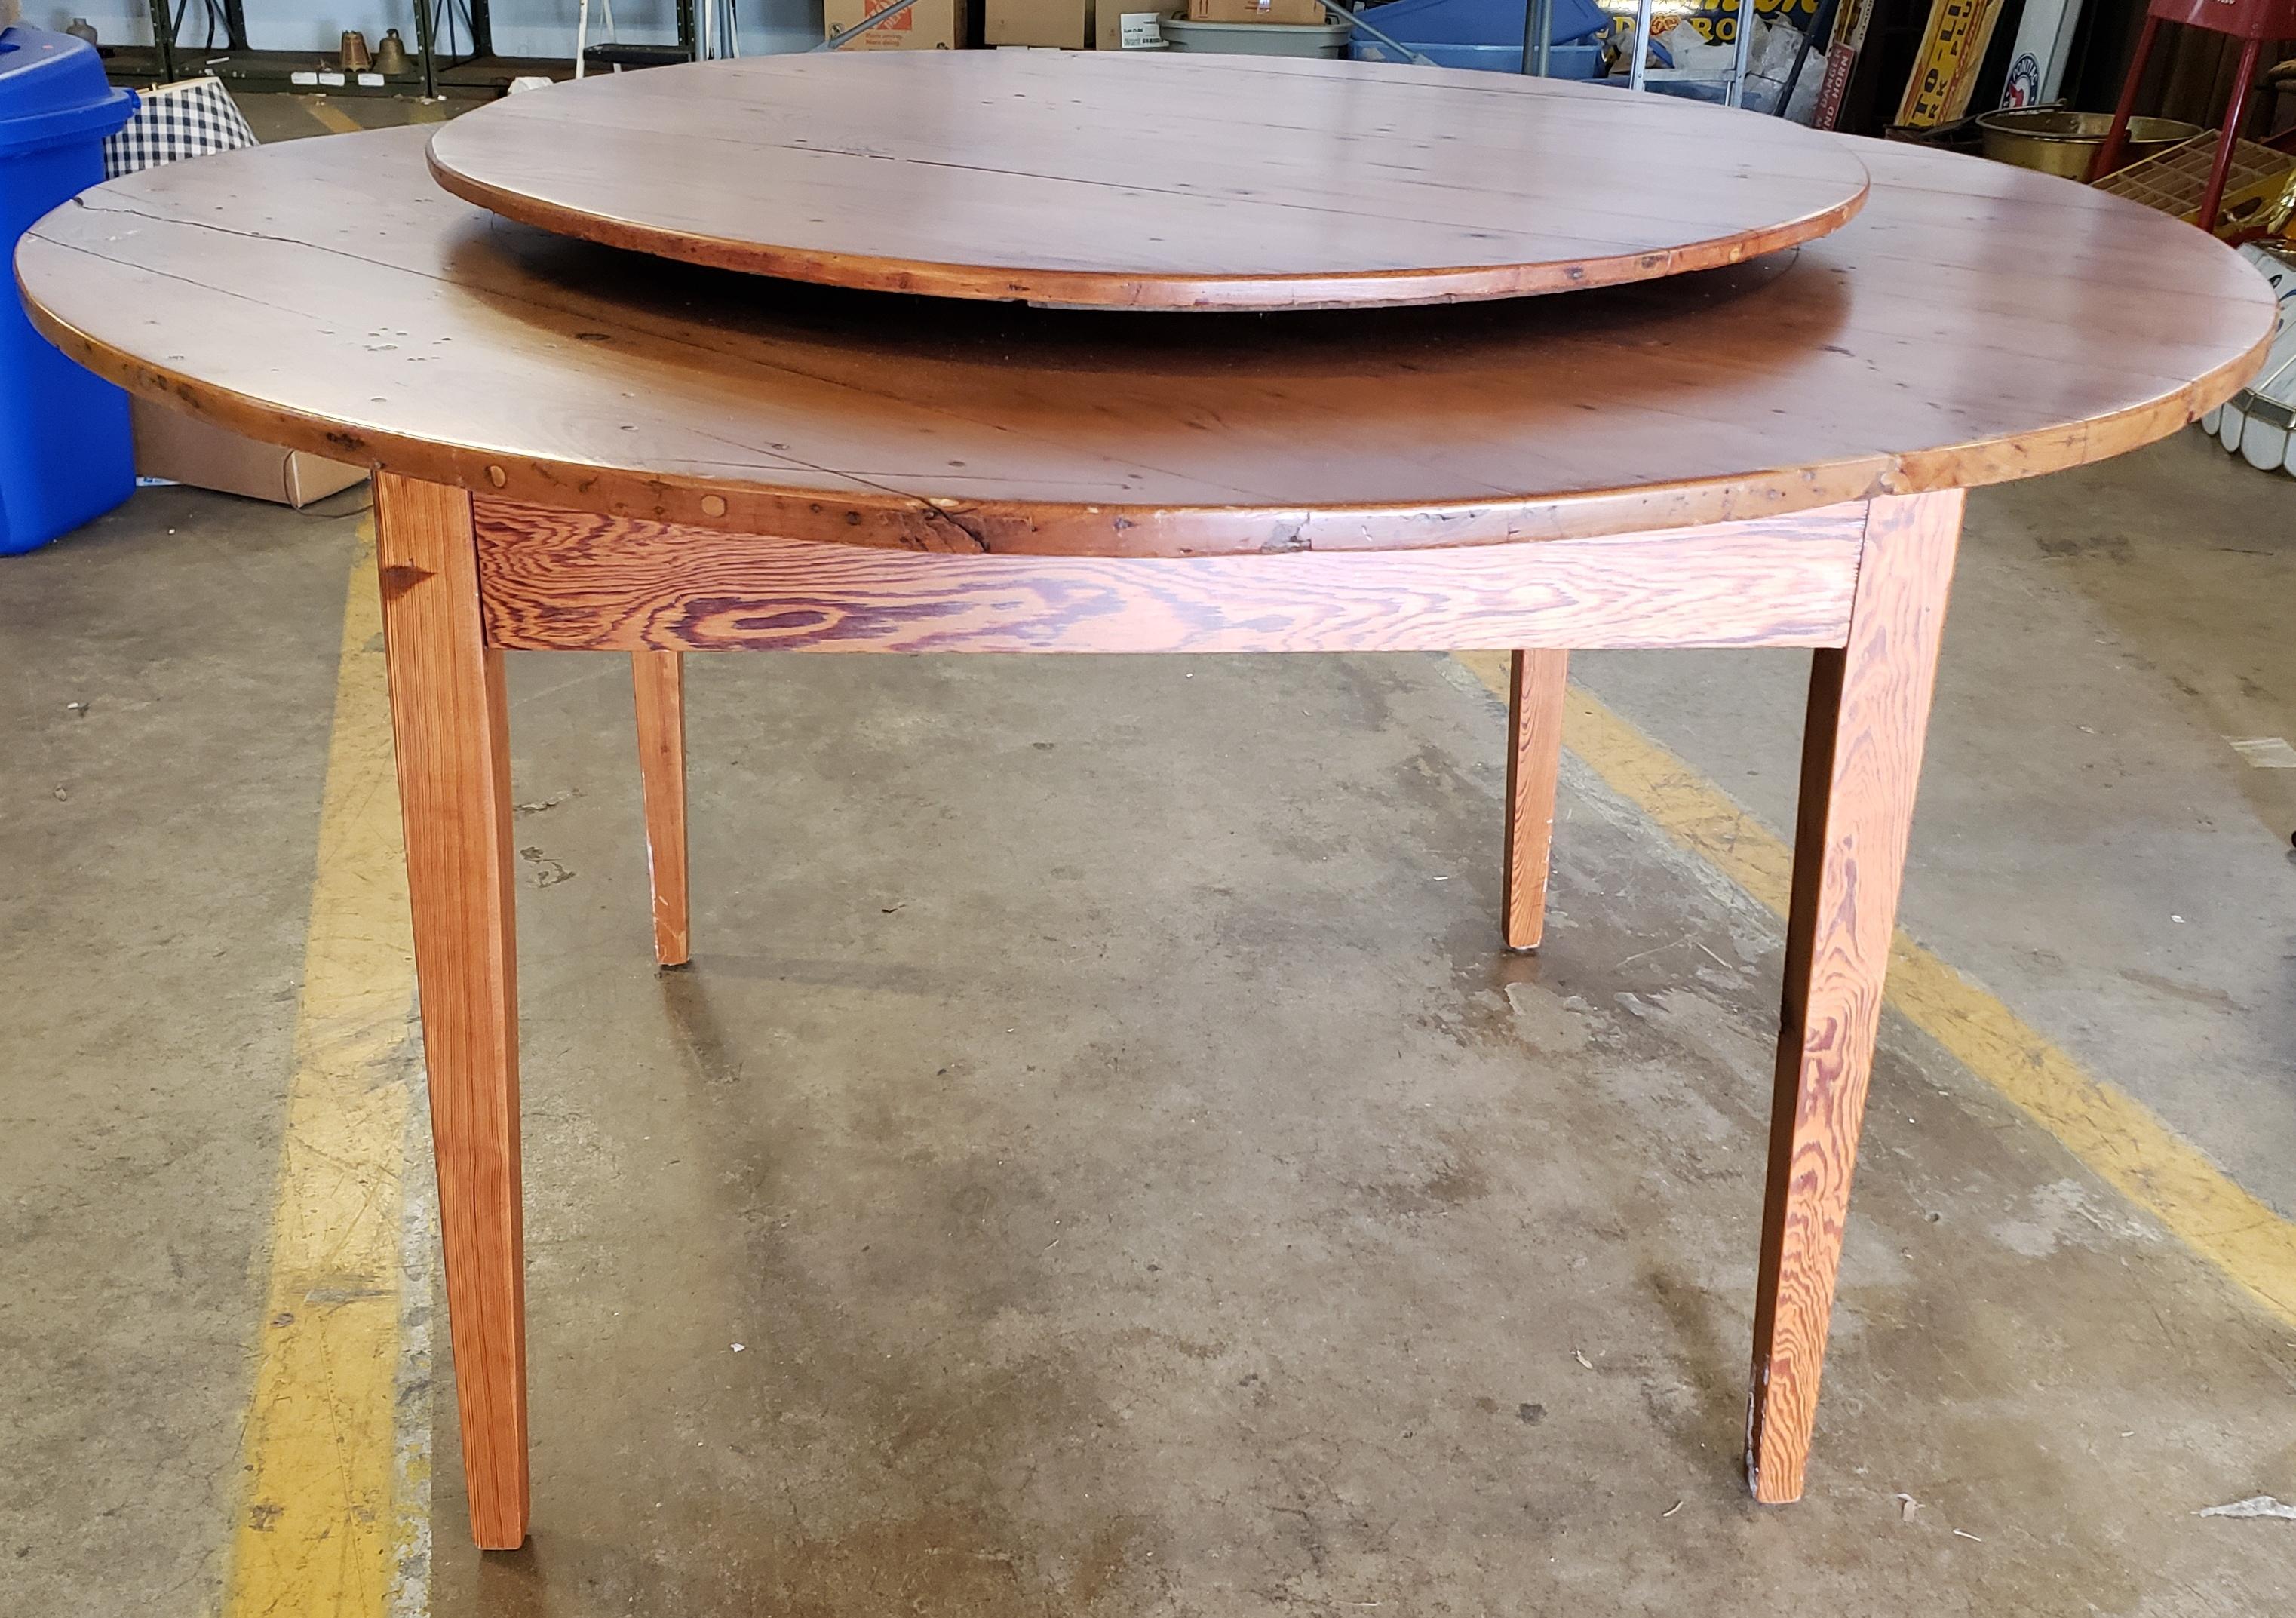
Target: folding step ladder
[1734, 82]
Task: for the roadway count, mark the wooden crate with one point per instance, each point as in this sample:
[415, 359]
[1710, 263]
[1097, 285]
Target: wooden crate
[2260, 194]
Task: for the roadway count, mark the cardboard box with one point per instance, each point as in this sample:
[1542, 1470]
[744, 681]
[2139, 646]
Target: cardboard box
[1130, 25]
[1295, 13]
[1064, 23]
[929, 25]
[185, 449]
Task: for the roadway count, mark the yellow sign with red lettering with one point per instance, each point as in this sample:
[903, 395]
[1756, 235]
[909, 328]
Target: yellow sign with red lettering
[1944, 73]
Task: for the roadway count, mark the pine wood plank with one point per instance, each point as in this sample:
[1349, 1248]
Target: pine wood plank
[566, 580]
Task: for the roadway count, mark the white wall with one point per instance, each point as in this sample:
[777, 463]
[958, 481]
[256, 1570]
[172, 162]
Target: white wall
[522, 28]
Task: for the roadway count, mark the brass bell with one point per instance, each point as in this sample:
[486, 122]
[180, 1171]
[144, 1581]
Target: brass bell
[390, 56]
[356, 57]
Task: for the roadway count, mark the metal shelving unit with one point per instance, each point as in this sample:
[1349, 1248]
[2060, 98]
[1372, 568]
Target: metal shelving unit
[244, 68]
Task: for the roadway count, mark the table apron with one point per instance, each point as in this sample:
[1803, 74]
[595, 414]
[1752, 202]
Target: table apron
[562, 580]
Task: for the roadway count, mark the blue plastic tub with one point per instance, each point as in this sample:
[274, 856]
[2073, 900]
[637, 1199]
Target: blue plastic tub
[1485, 33]
[65, 455]
[1576, 60]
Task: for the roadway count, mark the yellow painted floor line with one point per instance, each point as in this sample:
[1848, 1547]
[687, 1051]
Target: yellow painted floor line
[2117, 1135]
[335, 120]
[318, 1536]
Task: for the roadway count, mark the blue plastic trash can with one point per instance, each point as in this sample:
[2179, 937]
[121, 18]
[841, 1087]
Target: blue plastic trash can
[65, 455]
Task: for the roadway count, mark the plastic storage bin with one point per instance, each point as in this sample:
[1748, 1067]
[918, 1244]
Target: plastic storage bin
[1257, 38]
[1576, 60]
[65, 454]
[1485, 33]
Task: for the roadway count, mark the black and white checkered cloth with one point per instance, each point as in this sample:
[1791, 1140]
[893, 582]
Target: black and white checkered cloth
[190, 118]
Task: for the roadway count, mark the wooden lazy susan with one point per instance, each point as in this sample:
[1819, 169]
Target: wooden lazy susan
[1212, 182]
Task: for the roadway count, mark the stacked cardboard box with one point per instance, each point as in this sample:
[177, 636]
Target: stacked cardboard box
[1070, 24]
[929, 25]
[1104, 25]
[1066, 24]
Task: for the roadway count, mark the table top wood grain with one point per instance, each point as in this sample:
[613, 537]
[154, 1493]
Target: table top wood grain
[1136, 180]
[1975, 323]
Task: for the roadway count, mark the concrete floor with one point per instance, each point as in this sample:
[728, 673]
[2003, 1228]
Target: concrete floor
[1101, 1111]
[1137, 1180]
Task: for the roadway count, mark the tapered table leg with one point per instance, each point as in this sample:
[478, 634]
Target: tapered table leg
[660, 679]
[1869, 706]
[1533, 756]
[449, 726]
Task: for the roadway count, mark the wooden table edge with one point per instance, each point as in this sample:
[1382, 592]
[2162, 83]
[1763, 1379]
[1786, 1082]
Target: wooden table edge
[868, 516]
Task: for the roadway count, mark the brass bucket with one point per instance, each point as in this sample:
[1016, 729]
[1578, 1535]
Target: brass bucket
[2063, 142]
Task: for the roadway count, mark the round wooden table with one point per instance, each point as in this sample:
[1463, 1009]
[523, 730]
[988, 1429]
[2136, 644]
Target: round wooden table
[578, 448]
[1130, 181]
